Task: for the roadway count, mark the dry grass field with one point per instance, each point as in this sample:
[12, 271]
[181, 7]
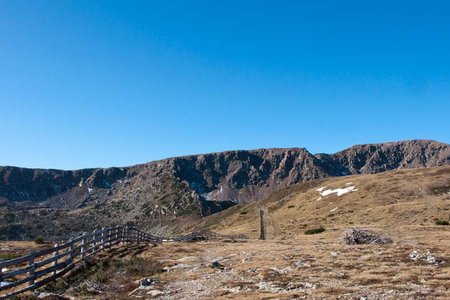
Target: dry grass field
[405, 205]
[314, 267]
[390, 200]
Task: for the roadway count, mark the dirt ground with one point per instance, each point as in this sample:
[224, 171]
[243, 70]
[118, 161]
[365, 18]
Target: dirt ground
[314, 267]
[317, 266]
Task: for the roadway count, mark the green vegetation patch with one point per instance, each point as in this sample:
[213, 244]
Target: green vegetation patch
[315, 230]
[8, 255]
[39, 240]
[442, 222]
[102, 273]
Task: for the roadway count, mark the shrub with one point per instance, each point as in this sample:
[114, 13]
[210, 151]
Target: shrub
[315, 230]
[141, 266]
[39, 240]
[8, 256]
[100, 276]
[441, 222]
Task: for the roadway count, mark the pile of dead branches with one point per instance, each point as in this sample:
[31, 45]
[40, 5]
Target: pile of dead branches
[358, 236]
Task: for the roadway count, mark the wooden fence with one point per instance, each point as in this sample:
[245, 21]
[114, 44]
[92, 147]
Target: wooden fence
[36, 269]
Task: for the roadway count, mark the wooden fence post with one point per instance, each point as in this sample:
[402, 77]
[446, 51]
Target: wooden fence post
[108, 237]
[262, 233]
[32, 270]
[55, 262]
[102, 240]
[129, 235]
[83, 249]
[94, 242]
[70, 259]
[111, 237]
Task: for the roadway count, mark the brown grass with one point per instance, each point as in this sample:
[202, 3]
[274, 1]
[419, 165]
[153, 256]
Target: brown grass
[385, 200]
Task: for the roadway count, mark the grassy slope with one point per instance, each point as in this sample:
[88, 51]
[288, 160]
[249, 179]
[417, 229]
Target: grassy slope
[408, 197]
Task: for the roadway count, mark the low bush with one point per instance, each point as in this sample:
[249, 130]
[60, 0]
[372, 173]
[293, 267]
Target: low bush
[39, 240]
[142, 267]
[95, 275]
[315, 230]
[442, 222]
[8, 256]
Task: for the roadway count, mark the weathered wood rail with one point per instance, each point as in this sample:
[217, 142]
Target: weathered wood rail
[36, 269]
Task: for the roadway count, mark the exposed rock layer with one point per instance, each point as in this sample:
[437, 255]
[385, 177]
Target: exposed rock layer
[180, 190]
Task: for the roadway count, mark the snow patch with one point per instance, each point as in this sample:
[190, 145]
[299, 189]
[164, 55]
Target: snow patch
[333, 209]
[89, 190]
[321, 189]
[339, 191]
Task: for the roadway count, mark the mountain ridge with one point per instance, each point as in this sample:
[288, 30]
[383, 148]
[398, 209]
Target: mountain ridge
[184, 189]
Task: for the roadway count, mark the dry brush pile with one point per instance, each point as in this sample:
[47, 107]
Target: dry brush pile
[358, 236]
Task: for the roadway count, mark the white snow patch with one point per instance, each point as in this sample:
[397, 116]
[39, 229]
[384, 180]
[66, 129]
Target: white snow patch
[4, 270]
[321, 189]
[333, 209]
[318, 199]
[89, 190]
[348, 183]
[339, 191]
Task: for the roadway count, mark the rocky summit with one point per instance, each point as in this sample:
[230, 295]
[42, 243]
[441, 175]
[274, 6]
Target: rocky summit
[170, 194]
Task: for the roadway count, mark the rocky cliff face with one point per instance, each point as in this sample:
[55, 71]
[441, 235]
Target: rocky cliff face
[178, 191]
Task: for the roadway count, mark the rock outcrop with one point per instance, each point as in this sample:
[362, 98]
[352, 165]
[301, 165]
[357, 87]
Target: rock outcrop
[178, 191]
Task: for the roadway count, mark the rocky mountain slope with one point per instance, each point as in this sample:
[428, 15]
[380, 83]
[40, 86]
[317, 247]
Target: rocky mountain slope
[408, 197]
[176, 192]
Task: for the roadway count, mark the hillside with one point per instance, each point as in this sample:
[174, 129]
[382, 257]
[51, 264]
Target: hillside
[390, 200]
[402, 205]
[175, 193]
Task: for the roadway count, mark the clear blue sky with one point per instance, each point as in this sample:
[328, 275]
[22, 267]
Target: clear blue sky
[115, 83]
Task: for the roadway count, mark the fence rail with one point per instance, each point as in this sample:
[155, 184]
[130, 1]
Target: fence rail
[36, 269]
